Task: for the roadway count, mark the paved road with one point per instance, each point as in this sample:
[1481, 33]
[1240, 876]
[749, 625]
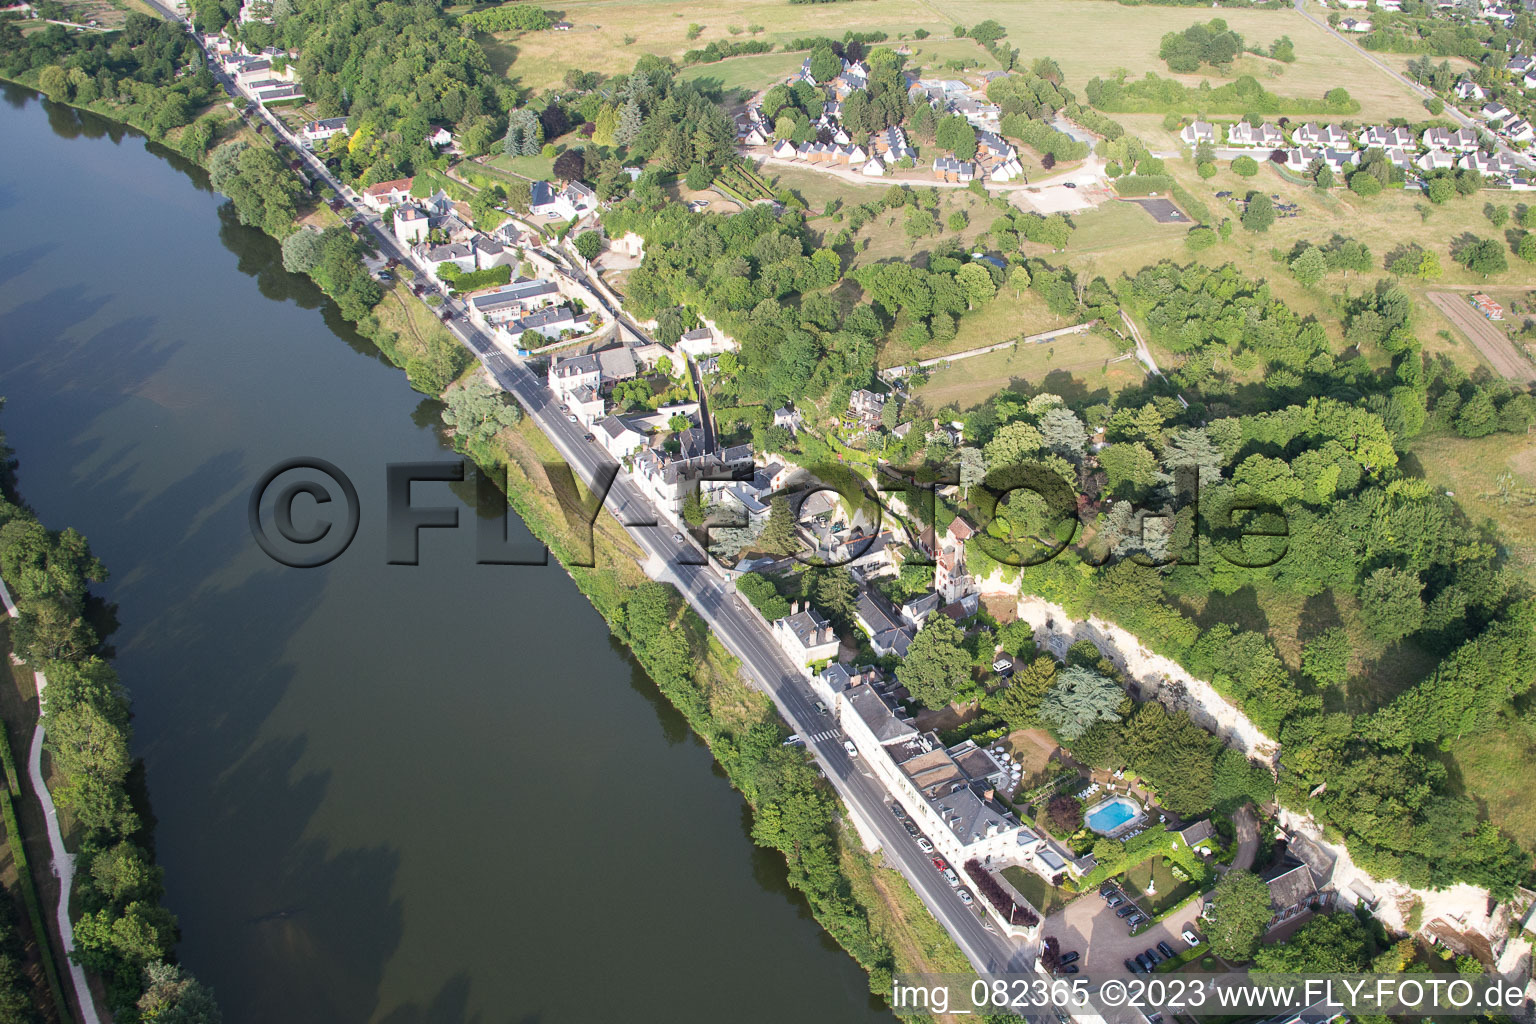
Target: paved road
[1450, 111]
[706, 590]
[1247, 839]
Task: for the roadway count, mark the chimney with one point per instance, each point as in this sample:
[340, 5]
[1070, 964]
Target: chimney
[990, 794]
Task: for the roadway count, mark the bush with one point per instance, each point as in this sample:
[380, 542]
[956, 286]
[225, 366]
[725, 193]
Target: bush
[1206, 169]
[1246, 166]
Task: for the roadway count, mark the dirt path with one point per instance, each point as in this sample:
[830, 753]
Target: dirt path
[1490, 341]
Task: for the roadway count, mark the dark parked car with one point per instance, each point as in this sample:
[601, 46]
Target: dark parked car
[1115, 900]
[1126, 911]
[1143, 962]
[899, 811]
[1166, 950]
[1067, 958]
[1151, 955]
[1135, 921]
[1070, 969]
[1134, 967]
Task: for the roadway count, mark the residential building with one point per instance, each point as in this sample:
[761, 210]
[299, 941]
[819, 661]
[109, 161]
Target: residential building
[387, 193]
[668, 479]
[1386, 138]
[618, 438]
[1496, 165]
[1462, 139]
[319, 131]
[957, 799]
[1436, 160]
[1323, 136]
[1519, 130]
[1494, 113]
[704, 341]
[865, 407]
[1006, 170]
[574, 200]
[788, 417]
[551, 322]
[1265, 136]
[1354, 25]
[950, 580]
[785, 150]
[1197, 132]
[948, 168]
[440, 138]
[510, 302]
[1292, 891]
[411, 225]
[1469, 91]
[917, 609]
[806, 635]
[1200, 836]
[432, 258]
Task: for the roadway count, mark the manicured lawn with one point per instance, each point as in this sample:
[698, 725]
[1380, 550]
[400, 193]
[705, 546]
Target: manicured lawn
[1045, 897]
[1152, 872]
[539, 168]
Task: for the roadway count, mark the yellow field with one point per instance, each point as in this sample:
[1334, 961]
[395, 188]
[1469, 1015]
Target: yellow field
[1096, 37]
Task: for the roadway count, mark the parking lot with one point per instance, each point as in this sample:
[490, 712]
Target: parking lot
[1090, 926]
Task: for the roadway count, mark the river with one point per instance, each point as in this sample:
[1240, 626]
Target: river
[382, 793]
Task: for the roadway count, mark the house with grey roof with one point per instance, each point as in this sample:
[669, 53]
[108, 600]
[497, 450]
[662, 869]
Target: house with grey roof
[618, 438]
[511, 301]
[806, 635]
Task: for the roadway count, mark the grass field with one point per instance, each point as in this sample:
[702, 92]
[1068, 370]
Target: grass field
[1043, 896]
[1085, 358]
[1097, 37]
[1495, 767]
[749, 74]
[1494, 479]
[609, 35]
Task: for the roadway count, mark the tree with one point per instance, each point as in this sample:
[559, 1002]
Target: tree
[779, 536]
[1310, 266]
[1323, 178]
[1364, 184]
[525, 133]
[1199, 239]
[1259, 214]
[825, 65]
[1527, 247]
[1336, 943]
[1325, 658]
[1497, 215]
[1242, 915]
[1482, 256]
[698, 177]
[937, 664]
[1391, 603]
[1018, 703]
[976, 281]
[1063, 433]
[588, 245]
[479, 410]
[1079, 698]
[631, 120]
[1018, 279]
[570, 165]
[302, 251]
[1205, 169]
[955, 133]
[1246, 166]
[1064, 813]
[1440, 189]
[171, 996]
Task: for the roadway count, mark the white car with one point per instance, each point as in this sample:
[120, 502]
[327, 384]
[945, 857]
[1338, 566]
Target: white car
[965, 896]
[852, 750]
[952, 878]
[1191, 938]
[923, 844]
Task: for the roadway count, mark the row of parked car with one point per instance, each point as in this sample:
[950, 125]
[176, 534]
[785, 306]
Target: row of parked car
[1143, 962]
[1124, 906]
[926, 845]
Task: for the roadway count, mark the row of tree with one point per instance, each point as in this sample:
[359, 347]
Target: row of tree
[122, 932]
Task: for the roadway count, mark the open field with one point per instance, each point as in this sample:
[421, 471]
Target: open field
[1384, 222]
[1495, 767]
[1006, 316]
[751, 73]
[1494, 479]
[1085, 357]
[609, 35]
[1128, 37]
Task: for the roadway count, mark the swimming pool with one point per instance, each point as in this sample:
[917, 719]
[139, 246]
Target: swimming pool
[1107, 815]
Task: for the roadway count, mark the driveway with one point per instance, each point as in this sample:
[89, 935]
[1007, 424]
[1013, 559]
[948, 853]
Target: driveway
[1247, 838]
[1090, 926]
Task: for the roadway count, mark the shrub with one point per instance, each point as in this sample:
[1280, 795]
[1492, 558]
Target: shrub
[1246, 166]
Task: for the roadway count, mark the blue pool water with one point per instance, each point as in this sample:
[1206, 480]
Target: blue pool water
[1111, 814]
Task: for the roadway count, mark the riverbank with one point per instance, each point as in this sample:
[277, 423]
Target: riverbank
[869, 909]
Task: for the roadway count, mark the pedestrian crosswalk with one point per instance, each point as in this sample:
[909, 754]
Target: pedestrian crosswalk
[824, 735]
